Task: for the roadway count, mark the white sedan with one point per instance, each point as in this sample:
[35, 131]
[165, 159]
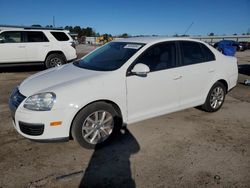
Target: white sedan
[120, 83]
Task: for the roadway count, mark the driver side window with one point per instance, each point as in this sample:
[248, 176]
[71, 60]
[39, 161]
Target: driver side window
[159, 57]
[11, 37]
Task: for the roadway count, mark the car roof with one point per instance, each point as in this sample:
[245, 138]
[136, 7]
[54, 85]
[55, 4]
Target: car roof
[22, 29]
[151, 40]
[228, 41]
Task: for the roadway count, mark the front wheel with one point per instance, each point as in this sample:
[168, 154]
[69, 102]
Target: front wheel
[215, 98]
[95, 124]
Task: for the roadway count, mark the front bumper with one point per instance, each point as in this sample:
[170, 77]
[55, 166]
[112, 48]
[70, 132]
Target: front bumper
[36, 125]
[31, 128]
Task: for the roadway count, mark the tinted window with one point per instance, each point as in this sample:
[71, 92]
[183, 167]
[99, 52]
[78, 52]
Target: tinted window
[208, 55]
[36, 36]
[109, 57]
[11, 37]
[60, 36]
[159, 57]
[191, 53]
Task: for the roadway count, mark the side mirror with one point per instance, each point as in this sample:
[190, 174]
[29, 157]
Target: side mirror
[140, 70]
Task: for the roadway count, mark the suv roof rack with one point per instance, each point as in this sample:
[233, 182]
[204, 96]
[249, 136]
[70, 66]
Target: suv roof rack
[31, 27]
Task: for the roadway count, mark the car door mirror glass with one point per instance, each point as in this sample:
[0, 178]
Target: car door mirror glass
[140, 69]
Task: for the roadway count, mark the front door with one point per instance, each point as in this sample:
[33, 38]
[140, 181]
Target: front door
[158, 92]
[12, 48]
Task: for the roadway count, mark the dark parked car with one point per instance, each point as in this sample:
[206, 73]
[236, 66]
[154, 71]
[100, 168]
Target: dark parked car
[245, 45]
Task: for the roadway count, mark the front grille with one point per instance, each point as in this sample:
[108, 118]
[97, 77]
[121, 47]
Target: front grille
[15, 100]
[31, 129]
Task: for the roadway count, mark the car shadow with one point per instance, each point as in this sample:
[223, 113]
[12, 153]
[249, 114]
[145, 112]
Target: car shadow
[110, 166]
[244, 69]
[26, 68]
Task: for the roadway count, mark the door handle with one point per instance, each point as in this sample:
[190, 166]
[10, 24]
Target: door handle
[21, 46]
[178, 77]
[211, 71]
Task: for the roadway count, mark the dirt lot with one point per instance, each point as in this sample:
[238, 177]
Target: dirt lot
[190, 148]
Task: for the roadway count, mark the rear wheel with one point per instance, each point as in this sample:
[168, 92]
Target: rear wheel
[54, 60]
[215, 98]
[95, 125]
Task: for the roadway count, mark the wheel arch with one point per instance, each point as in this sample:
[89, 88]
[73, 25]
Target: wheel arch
[207, 107]
[55, 52]
[115, 106]
[224, 82]
[221, 80]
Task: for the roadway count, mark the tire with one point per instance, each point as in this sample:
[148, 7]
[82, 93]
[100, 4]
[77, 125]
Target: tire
[54, 60]
[95, 125]
[215, 98]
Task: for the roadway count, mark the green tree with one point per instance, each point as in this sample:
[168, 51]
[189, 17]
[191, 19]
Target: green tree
[125, 35]
[69, 28]
[78, 30]
[88, 32]
[36, 25]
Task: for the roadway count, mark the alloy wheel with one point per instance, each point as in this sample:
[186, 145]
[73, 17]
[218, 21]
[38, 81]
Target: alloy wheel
[97, 127]
[55, 62]
[217, 97]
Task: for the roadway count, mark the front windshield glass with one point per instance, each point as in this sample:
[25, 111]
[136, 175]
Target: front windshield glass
[109, 57]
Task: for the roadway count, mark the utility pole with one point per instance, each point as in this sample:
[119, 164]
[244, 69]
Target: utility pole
[54, 24]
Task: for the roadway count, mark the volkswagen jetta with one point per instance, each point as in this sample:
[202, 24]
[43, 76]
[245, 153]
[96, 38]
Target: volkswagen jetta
[119, 83]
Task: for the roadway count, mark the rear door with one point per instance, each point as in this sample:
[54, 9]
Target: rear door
[12, 48]
[197, 65]
[37, 45]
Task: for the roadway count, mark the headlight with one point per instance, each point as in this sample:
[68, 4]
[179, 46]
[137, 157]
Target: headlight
[40, 101]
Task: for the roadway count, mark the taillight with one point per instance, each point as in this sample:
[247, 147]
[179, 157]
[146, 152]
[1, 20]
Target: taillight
[73, 44]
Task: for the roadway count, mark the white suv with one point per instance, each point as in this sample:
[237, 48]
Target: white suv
[35, 46]
[120, 83]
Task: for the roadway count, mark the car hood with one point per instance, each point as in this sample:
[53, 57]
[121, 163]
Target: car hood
[45, 80]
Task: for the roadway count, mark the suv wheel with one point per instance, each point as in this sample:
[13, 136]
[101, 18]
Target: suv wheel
[215, 98]
[95, 125]
[54, 60]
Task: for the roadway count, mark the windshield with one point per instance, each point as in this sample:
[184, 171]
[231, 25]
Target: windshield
[109, 57]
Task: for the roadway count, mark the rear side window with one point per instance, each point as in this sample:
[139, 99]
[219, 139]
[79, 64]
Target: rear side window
[208, 55]
[60, 36]
[195, 52]
[191, 53]
[36, 36]
[11, 37]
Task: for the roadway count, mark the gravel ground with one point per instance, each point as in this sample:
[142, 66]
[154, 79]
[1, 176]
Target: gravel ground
[190, 148]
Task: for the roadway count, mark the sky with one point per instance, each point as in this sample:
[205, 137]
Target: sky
[135, 17]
